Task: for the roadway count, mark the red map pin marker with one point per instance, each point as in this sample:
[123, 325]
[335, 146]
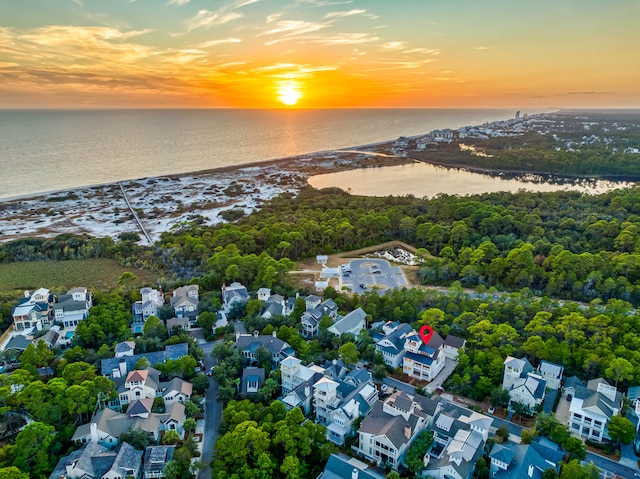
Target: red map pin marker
[425, 333]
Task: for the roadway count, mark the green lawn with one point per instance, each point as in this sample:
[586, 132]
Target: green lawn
[95, 274]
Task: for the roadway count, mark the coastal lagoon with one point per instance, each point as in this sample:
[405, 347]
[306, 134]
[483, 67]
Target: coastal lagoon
[424, 180]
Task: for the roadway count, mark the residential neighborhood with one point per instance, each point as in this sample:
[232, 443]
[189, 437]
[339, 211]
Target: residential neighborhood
[373, 425]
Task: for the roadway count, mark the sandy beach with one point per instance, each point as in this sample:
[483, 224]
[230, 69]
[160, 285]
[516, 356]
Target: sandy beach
[161, 203]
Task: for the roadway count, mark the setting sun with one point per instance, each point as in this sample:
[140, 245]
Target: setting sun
[289, 94]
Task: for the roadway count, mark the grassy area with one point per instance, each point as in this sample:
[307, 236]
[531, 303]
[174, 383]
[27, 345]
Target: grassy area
[95, 274]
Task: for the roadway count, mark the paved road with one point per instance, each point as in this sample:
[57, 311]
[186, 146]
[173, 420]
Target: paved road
[213, 412]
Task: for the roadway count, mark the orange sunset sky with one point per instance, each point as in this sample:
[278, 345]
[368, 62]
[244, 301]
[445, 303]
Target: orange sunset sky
[319, 53]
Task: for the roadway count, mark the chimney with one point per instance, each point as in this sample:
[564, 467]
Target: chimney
[354, 473]
[123, 367]
[307, 390]
[407, 431]
[255, 333]
[530, 470]
[27, 294]
[334, 361]
[273, 333]
[94, 433]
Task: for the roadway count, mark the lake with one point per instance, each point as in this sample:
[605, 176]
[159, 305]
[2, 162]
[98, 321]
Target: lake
[424, 180]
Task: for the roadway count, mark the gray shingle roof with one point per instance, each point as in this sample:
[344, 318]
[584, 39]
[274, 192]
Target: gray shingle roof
[349, 321]
[341, 467]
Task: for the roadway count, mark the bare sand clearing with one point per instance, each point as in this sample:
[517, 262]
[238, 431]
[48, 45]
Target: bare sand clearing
[161, 203]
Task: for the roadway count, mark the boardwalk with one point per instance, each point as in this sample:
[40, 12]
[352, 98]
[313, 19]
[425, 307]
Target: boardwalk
[135, 215]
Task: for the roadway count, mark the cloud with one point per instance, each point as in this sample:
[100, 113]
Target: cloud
[212, 43]
[273, 17]
[179, 3]
[428, 51]
[295, 27]
[346, 39]
[588, 93]
[393, 45]
[484, 47]
[323, 3]
[344, 14]
[207, 18]
[292, 70]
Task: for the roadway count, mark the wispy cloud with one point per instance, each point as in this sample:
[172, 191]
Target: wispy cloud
[221, 41]
[179, 3]
[292, 70]
[426, 51]
[588, 93]
[208, 18]
[346, 39]
[323, 3]
[296, 27]
[344, 14]
[484, 47]
[273, 17]
[393, 45]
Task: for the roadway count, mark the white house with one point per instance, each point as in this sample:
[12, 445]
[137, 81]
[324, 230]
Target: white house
[73, 307]
[523, 385]
[145, 384]
[452, 346]
[459, 436]
[423, 361]
[551, 373]
[33, 310]
[391, 426]
[391, 344]
[592, 407]
[235, 293]
[248, 344]
[152, 299]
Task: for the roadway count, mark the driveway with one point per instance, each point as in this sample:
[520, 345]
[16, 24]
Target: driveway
[449, 367]
[212, 413]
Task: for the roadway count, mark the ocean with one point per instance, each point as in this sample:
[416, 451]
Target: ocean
[51, 150]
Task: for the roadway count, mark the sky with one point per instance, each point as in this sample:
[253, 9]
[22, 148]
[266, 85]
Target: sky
[319, 54]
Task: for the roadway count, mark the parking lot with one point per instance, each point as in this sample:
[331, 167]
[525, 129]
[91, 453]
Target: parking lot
[360, 275]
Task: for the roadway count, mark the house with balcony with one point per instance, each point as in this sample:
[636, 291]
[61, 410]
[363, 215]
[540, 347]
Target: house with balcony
[524, 461]
[73, 307]
[34, 311]
[522, 383]
[107, 425]
[592, 407]
[96, 461]
[235, 293]
[184, 301]
[423, 361]
[459, 437]
[452, 346]
[155, 458]
[315, 311]
[251, 381]
[248, 345]
[391, 426]
[146, 384]
[551, 373]
[152, 299]
[391, 343]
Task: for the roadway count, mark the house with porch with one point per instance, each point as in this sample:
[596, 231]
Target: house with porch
[351, 323]
[391, 426]
[235, 293]
[315, 311]
[152, 299]
[34, 311]
[522, 383]
[592, 407]
[423, 361]
[184, 301]
[391, 343]
[248, 344]
[73, 307]
[95, 461]
[524, 461]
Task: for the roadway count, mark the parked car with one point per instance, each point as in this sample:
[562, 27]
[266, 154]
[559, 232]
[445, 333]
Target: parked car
[363, 286]
[210, 372]
[384, 388]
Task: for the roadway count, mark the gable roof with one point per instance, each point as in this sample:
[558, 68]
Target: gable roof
[342, 467]
[348, 322]
[520, 364]
[454, 341]
[172, 351]
[550, 369]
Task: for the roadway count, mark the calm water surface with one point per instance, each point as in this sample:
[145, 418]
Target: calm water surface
[425, 180]
[48, 150]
